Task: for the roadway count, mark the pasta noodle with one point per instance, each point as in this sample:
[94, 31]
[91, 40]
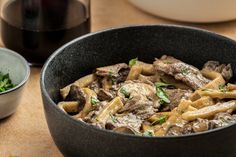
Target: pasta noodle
[88, 105]
[202, 102]
[217, 94]
[82, 82]
[111, 108]
[147, 69]
[209, 111]
[134, 72]
[217, 80]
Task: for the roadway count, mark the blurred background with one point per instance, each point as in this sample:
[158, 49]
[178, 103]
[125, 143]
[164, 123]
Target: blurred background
[114, 13]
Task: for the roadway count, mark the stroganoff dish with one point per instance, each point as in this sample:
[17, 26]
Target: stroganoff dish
[166, 98]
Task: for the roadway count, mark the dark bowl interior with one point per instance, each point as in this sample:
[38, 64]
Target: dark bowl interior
[81, 56]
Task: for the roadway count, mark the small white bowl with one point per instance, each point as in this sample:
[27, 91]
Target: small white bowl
[19, 71]
[190, 10]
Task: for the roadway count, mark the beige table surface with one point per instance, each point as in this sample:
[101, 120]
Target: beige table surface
[25, 133]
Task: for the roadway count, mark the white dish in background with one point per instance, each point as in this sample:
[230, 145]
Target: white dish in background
[190, 10]
[18, 69]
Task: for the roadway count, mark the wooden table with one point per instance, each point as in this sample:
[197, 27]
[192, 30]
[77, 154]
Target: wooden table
[25, 133]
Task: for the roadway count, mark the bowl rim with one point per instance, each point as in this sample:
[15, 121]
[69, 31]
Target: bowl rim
[112, 133]
[25, 64]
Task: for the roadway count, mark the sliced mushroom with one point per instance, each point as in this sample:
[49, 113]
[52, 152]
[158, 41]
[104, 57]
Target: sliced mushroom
[225, 70]
[200, 125]
[123, 73]
[69, 106]
[104, 95]
[111, 71]
[106, 83]
[88, 105]
[95, 85]
[76, 94]
[82, 82]
[222, 119]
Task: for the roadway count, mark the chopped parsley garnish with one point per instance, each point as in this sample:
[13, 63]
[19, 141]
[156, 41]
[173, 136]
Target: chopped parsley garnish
[185, 71]
[148, 133]
[113, 82]
[114, 120]
[167, 62]
[131, 97]
[161, 93]
[162, 84]
[133, 61]
[223, 120]
[5, 82]
[94, 101]
[160, 120]
[222, 88]
[110, 74]
[123, 91]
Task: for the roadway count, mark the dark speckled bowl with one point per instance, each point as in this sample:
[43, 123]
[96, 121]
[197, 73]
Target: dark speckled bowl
[82, 55]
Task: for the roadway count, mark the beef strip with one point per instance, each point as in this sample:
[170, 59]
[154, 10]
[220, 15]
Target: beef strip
[140, 106]
[225, 70]
[142, 100]
[181, 71]
[175, 96]
[128, 120]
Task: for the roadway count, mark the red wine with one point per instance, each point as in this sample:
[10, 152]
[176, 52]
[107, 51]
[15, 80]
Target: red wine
[36, 28]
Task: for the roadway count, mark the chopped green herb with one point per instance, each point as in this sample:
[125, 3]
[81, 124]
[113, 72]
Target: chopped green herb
[161, 94]
[223, 120]
[223, 89]
[148, 133]
[207, 89]
[162, 102]
[5, 82]
[113, 82]
[185, 71]
[162, 84]
[94, 101]
[123, 91]
[113, 118]
[131, 97]
[110, 74]
[90, 111]
[160, 120]
[167, 62]
[133, 61]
